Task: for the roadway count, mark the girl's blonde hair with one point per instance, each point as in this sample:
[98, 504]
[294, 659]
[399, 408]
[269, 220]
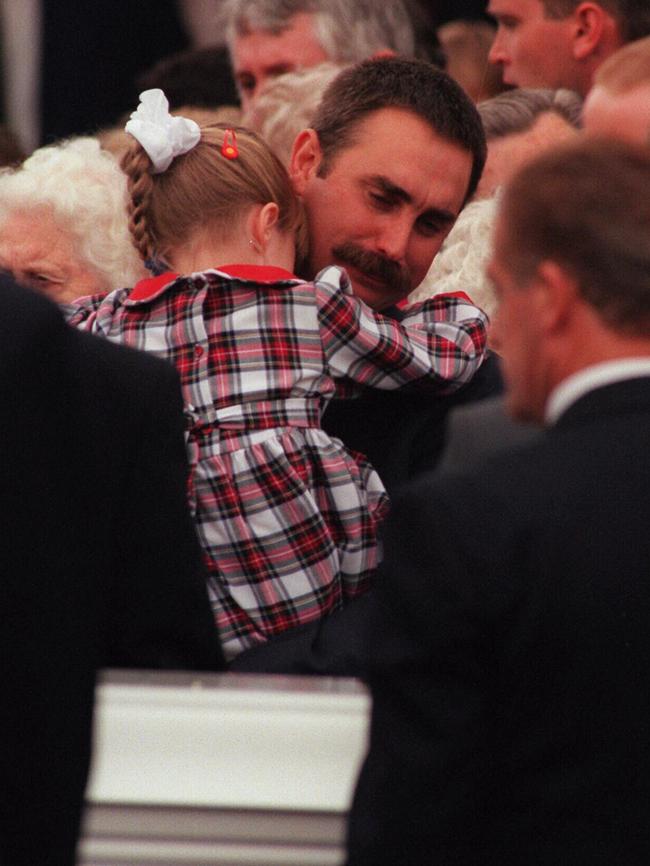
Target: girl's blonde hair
[204, 189]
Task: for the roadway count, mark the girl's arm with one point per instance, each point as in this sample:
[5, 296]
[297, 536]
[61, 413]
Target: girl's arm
[442, 339]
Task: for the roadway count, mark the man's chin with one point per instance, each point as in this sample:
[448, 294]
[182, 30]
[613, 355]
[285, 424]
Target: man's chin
[373, 292]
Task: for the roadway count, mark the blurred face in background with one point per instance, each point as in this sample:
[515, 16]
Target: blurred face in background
[261, 55]
[516, 333]
[43, 256]
[624, 116]
[507, 153]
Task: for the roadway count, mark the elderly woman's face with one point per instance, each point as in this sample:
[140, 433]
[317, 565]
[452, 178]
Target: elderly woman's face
[43, 256]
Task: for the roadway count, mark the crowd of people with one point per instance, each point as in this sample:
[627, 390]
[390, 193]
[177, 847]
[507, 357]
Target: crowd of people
[350, 378]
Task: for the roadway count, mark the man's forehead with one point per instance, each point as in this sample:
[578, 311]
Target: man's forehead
[404, 151]
[297, 36]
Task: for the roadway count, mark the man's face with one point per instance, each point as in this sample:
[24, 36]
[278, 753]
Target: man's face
[388, 201]
[534, 51]
[517, 336]
[40, 255]
[624, 116]
[262, 55]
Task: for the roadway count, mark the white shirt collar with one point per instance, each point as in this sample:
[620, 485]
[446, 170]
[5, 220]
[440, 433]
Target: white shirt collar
[584, 381]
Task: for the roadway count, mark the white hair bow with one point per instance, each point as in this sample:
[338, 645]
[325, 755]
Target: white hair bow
[162, 135]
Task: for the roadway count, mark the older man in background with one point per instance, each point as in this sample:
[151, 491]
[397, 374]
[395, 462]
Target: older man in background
[266, 38]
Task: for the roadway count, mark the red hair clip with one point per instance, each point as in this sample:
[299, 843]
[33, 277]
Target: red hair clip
[229, 146]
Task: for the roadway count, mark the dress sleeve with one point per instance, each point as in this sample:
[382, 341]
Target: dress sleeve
[88, 313]
[442, 339]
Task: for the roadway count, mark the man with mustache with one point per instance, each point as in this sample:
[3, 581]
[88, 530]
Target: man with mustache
[396, 149]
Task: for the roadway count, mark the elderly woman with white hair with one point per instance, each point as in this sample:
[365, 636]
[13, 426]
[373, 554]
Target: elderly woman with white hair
[63, 222]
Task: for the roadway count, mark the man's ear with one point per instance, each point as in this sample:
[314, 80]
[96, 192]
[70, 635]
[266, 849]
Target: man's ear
[591, 26]
[557, 294]
[306, 157]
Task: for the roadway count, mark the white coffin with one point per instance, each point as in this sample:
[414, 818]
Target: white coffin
[223, 770]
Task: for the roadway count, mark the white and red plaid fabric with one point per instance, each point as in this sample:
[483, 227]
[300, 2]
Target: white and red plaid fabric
[286, 515]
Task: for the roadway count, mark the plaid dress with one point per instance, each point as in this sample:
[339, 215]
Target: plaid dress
[287, 517]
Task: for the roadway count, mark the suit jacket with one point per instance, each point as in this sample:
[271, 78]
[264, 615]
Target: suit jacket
[402, 432]
[478, 429]
[99, 561]
[511, 708]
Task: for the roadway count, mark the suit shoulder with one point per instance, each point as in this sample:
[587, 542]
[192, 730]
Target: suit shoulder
[125, 388]
[27, 321]
[108, 360]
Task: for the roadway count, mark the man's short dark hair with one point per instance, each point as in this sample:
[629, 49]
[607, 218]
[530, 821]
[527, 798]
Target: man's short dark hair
[633, 16]
[581, 206]
[396, 82]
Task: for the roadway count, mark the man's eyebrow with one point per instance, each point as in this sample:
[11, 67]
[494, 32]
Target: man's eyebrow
[389, 188]
[397, 193]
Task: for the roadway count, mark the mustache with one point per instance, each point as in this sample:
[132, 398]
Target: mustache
[375, 265]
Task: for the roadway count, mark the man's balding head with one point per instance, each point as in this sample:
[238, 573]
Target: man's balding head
[618, 105]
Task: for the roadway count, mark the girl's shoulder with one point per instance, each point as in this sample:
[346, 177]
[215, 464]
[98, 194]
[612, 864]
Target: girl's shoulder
[151, 288]
[334, 278]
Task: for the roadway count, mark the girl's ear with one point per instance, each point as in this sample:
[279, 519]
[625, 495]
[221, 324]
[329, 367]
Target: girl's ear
[263, 219]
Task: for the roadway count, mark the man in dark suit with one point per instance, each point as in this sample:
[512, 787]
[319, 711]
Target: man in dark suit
[99, 561]
[510, 642]
[403, 433]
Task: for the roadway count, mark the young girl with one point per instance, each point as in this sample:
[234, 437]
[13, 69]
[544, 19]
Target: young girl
[286, 515]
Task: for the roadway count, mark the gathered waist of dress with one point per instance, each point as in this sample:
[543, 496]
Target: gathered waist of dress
[256, 415]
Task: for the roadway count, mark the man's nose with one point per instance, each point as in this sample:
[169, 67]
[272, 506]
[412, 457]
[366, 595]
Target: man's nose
[392, 239]
[497, 53]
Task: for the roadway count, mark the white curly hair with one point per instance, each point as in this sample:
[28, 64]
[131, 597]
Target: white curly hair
[85, 188]
[461, 263]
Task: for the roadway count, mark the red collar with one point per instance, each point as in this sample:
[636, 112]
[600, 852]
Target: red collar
[148, 288]
[258, 273]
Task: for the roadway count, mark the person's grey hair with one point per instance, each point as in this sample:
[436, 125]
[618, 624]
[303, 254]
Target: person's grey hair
[287, 104]
[348, 30]
[517, 110]
[86, 191]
